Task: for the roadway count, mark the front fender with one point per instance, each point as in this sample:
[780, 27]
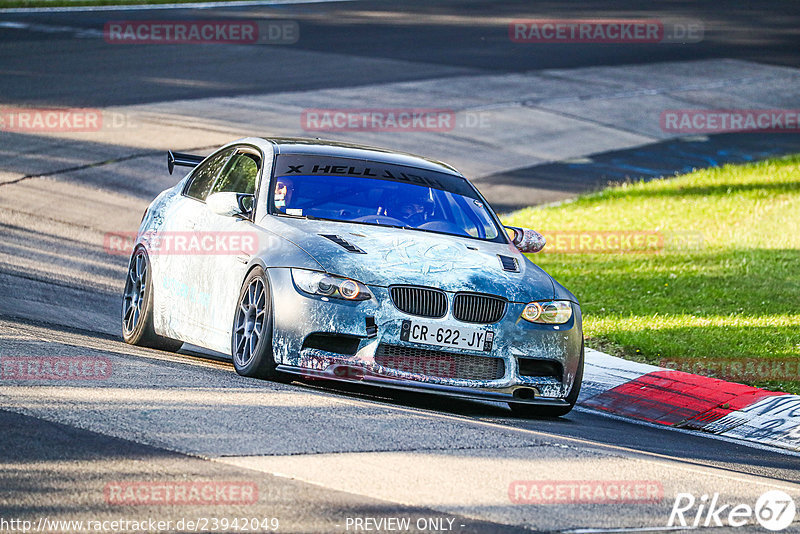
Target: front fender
[276, 251]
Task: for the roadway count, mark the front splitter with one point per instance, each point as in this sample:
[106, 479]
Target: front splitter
[363, 376]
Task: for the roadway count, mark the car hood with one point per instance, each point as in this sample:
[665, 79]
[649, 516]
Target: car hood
[388, 256]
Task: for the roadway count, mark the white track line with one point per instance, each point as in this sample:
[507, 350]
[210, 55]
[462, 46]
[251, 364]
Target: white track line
[746, 443]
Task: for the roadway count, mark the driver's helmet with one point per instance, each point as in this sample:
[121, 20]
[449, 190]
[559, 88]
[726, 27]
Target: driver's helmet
[413, 205]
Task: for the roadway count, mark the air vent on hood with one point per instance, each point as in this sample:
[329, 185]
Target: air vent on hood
[509, 263]
[349, 247]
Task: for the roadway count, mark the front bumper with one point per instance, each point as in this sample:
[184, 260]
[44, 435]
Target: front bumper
[523, 394]
[297, 316]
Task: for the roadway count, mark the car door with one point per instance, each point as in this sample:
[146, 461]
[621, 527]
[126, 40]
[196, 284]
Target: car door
[237, 241]
[179, 281]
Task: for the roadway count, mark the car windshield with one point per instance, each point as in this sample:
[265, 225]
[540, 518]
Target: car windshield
[436, 203]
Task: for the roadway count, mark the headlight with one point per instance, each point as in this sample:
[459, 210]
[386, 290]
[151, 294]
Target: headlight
[325, 285]
[553, 312]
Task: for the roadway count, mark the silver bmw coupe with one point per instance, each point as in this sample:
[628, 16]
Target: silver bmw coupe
[307, 259]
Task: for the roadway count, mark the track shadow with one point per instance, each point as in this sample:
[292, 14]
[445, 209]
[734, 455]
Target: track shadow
[657, 160]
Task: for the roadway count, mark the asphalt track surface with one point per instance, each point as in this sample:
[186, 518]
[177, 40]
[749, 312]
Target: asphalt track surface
[319, 454]
[387, 41]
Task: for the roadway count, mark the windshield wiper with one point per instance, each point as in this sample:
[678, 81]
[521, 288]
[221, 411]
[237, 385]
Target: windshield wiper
[292, 215]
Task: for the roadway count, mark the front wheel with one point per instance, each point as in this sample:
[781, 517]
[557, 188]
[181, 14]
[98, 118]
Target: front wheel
[137, 307]
[533, 411]
[251, 339]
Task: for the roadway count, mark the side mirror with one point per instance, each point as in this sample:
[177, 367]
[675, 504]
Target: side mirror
[526, 240]
[230, 204]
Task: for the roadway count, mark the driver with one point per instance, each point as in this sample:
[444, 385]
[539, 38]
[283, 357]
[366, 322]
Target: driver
[414, 207]
[284, 190]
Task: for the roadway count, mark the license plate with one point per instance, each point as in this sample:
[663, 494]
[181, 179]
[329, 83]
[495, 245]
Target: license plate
[447, 336]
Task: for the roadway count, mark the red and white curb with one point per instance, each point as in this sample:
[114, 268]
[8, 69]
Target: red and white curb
[683, 400]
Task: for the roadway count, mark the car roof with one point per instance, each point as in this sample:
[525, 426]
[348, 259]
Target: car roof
[321, 147]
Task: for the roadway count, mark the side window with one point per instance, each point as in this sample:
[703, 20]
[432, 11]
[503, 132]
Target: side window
[203, 177]
[239, 175]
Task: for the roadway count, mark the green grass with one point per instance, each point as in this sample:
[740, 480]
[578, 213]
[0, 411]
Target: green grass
[81, 3]
[735, 297]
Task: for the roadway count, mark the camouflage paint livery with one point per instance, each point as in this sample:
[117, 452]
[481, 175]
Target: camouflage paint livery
[391, 256]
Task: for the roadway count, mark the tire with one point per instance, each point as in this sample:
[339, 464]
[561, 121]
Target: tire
[534, 411]
[137, 306]
[251, 335]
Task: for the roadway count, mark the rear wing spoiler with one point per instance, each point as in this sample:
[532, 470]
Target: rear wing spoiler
[184, 160]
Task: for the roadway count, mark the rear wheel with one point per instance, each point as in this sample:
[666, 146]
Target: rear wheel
[251, 339]
[533, 411]
[137, 307]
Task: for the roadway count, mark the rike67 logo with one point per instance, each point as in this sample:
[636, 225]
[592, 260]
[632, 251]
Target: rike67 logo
[774, 510]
